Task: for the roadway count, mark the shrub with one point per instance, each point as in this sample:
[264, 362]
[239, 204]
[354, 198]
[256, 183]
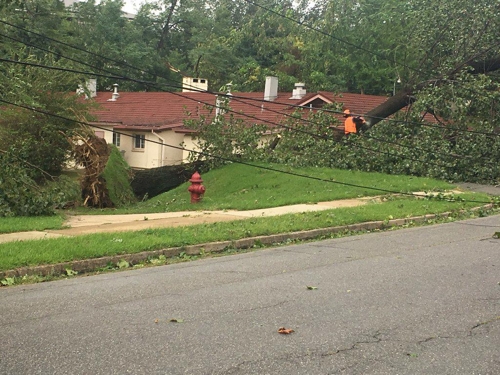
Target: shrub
[117, 175]
[19, 194]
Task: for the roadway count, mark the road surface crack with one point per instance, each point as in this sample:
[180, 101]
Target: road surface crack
[482, 324]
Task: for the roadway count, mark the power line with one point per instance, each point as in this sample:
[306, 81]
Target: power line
[154, 84]
[232, 97]
[246, 115]
[443, 164]
[229, 96]
[330, 35]
[238, 98]
[223, 158]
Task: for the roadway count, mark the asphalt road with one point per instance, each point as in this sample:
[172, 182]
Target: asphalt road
[413, 301]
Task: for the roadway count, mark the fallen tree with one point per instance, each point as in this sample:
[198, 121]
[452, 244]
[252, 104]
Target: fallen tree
[407, 95]
[92, 153]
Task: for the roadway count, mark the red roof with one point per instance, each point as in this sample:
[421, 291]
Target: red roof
[167, 110]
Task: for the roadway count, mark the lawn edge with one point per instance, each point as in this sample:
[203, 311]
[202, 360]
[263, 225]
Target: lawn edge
[93, 264]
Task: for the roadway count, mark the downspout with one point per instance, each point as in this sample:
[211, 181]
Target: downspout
[162, 145]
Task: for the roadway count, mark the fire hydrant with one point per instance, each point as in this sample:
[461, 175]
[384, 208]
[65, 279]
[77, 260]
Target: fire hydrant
[196, 189]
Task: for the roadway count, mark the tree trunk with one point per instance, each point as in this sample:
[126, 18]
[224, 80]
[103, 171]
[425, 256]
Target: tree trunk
[166, 28]
[405, 96]
[389, 107]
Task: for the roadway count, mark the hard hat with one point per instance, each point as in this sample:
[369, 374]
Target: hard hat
[347, 113]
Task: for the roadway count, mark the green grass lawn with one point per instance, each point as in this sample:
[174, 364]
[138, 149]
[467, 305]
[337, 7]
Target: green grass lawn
[238, 187]
[242, 187]
[24, 224]
[50, 251]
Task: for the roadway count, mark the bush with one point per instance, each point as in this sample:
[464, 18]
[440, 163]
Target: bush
[19, 194]
[117, 175]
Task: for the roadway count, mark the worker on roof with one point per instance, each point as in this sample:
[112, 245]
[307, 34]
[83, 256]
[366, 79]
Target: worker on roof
[352, 123]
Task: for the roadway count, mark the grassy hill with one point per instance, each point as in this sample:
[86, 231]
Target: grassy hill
[243, 187]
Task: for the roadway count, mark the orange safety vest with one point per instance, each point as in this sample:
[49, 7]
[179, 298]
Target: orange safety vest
[350, 126]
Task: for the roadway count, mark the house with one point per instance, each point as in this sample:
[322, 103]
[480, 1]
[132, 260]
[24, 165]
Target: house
[125, 14]
[148, 127]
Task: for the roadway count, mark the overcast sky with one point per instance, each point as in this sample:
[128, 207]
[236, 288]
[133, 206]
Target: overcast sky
[131, 6]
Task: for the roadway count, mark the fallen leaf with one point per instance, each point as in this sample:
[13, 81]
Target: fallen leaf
[70, 272]
[123, 264]
[285, 331]
[176, 321]
[312, 287]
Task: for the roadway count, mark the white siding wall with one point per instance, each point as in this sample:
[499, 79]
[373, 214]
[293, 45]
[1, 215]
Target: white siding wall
[151, 156]
[172, 155]
[189, 144]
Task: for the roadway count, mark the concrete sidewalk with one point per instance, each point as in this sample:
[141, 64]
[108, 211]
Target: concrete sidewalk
[87, 224]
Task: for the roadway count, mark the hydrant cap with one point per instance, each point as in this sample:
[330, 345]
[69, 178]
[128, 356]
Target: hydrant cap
[196, 177]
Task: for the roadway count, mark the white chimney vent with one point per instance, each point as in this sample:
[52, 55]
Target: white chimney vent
[190, 84]
[90, 89]
[114, 95]
[299, 91]
[271, 89]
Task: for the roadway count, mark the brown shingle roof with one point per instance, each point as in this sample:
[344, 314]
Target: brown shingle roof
[166, 110]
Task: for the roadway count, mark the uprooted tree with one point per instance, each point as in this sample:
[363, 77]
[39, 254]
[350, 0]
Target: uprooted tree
[92, 153]
[106, 179]
[446, 40]
[36, 118]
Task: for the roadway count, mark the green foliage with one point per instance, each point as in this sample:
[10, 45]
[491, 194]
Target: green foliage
[117, 175]
[42, 137]
[19, 194]
[64, 191]
[308, 140]
[8, 281]
[225, 138]
[343, 45]
[433, 151]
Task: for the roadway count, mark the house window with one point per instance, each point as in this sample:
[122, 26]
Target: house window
[116, 139]
[139, 141]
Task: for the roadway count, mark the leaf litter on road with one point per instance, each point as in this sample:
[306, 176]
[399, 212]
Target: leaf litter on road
[285, 331]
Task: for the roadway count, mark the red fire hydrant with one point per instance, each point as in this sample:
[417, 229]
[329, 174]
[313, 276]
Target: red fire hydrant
[196, 189]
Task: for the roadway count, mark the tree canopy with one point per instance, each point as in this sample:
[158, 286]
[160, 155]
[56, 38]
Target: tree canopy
[440, 57]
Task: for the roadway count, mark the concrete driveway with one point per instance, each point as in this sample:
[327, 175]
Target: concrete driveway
[424, 300]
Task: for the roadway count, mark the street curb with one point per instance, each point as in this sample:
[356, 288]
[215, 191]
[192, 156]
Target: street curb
[90, 265]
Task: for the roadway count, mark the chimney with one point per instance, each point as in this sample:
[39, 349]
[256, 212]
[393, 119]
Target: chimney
[190, 84]
[299, 91]
[90, 89]
[271, 89]
[115, 94]
[221, 104]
